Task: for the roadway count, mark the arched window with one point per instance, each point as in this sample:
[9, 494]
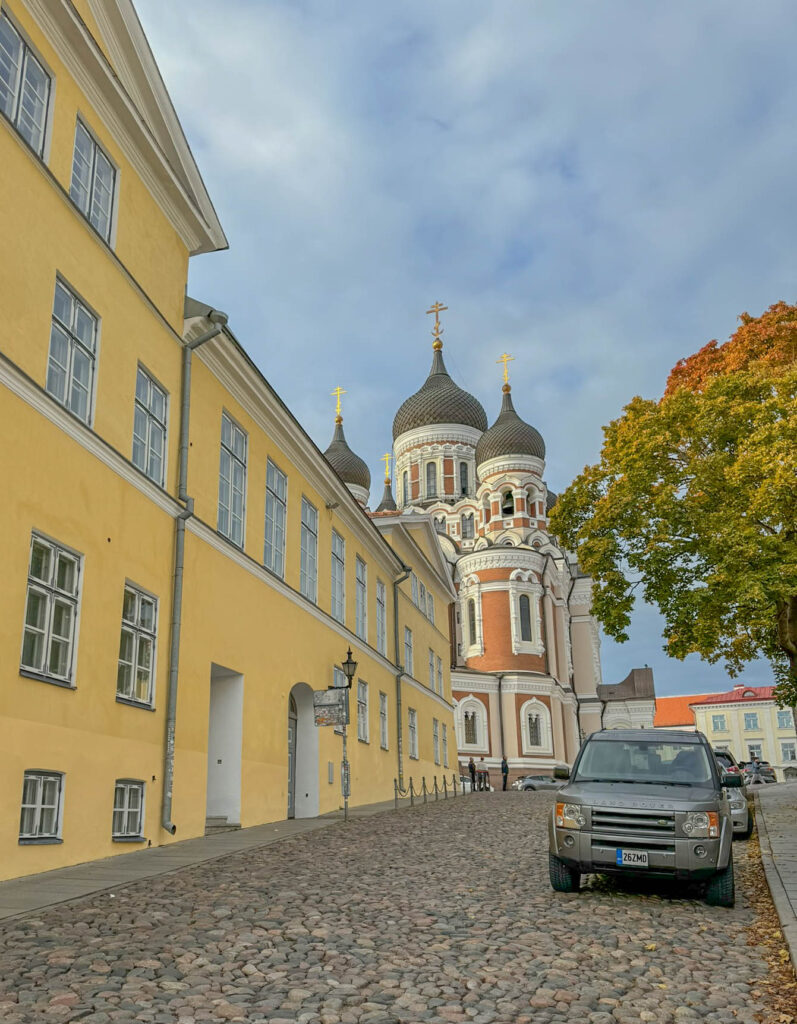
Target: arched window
[534, 726]
[431, 480]
[440, 524]
[531, 498]
[463, 478]
[535, 721]
[405, 488]
[471, 731]
[525, 618]
[472, 638]
[467, 527]
[487, 511]
[507, 504]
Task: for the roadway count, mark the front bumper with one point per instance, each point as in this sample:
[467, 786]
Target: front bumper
[740, 817]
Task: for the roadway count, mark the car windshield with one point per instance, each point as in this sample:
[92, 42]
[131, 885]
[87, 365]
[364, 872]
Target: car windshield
[680, 764]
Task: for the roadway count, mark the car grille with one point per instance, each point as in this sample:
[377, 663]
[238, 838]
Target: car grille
[636, 822]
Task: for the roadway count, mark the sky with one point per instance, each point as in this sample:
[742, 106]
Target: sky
[597, 189]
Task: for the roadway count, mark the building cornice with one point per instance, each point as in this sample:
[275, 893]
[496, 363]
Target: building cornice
[441, 434]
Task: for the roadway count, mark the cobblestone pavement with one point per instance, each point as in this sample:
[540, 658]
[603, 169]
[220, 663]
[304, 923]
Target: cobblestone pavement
[441, 913]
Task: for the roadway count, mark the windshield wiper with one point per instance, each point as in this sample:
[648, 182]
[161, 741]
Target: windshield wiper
[581, 779]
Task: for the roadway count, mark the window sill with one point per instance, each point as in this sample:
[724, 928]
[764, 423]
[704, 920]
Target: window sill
[129, 839]
[361, 740]
[40, 841]
[414, 757]
[383, 747]
[129, 702]
[42, 678]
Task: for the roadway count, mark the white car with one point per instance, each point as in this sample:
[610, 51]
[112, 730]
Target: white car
[537, 782]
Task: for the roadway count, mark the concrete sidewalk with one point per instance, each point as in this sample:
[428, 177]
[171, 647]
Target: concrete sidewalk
[35, 892]
[776, 818]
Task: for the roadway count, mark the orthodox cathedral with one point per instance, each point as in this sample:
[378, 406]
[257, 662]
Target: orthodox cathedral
[525, 647]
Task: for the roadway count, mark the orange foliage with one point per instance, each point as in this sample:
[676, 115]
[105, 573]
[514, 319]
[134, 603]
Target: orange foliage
[770, 339]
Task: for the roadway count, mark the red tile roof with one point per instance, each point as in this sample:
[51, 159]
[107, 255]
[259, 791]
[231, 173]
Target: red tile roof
[673, 711]
[740, 694]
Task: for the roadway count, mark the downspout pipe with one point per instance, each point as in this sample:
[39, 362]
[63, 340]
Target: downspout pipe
[219, 320]
[407, 570]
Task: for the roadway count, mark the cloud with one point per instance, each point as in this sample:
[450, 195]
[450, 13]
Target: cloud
[596, 188]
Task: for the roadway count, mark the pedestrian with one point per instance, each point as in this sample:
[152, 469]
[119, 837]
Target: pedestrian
[505, 770]
[472, 770]
[484, 776]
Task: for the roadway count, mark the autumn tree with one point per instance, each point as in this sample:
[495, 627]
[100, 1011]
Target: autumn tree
[693, 504]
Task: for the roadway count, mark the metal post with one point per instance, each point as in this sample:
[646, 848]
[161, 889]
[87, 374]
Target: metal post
[344, 781]
[395, 794]
[423, 783]
[445, 788]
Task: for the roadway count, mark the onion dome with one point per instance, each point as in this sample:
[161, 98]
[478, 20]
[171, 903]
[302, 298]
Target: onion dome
[509, 435]
[349, 467]
[551, 499]
[440, 400]
[388, 502]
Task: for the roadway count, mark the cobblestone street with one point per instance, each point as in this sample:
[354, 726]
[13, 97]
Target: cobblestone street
[438, 913]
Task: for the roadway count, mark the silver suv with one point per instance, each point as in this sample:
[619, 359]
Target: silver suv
[644, 802]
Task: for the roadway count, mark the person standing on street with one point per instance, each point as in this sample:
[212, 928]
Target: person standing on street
[484, 775]
[504, 770]
[472, 770]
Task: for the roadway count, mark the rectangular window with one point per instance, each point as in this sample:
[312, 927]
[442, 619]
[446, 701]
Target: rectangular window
[73, 353]
[93, 182]
[412, 721]
[276, 498]
[750, 720]
[445, 746]
[430, 606]
[149, 427]
[24, 86]
[788, 750]
[40, 816]
[422, 598]
[431, 669]
[51, 610]
[308, 572]
[383, 720]
[362, 711]
[440, 677]
[718, 723]
[128, 810]
[431, 480]
[338, 577]
[232, 481]
[754, 750]
[408, 662]
[785, 719]
[467, 527]
[414, 582]
[436, 740]
[339, 677]
[135, 675]
[381, 617]
[361, 599]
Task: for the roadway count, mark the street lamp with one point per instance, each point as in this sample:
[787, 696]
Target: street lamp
[349, 668]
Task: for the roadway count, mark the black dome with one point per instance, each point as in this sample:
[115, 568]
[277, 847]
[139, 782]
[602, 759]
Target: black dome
[349, 467]
[388, 502]
[439, 401]
[509, 435]
[551, 499]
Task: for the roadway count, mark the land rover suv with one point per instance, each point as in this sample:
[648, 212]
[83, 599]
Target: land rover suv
[644, 802]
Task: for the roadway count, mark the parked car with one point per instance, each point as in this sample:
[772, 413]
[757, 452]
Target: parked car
[738, 799]
[538, 782]
[650, 804]
[765, 772]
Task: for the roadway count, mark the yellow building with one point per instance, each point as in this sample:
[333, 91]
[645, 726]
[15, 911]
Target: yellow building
[174, 589]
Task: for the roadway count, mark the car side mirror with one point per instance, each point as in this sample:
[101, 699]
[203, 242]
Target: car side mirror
[561, 773]
[732, 781]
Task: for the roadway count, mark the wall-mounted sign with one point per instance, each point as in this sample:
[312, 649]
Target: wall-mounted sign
[331, 707]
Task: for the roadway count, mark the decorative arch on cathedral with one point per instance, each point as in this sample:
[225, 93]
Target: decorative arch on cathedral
[535, 728]
[471, 725]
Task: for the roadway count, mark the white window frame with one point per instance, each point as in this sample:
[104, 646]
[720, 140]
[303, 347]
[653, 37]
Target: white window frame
[412, 730]
[121, 805]
[788, 751]
[472, 645]
[234, 459]
[381, 617]
[433, 491]
[422, 597]
[445, 745]
[18, 113]
[276, 516]
[409, 655]
[36, 835]
[436, 740]
[141, 635]
[145, 408]
[414, 588]
[430, 606]
[755, 750]
[383, 721]
[431, 670]
[338, 577]
[718, 723]
[787, 716]
[545, 746]
[308, 568]
[468, 526]
[463, 491]
[78, 345]
[363, 733]
[753, 725]
[360, 598]
[89, 203]
[54, 595]
[471, 705]
[523, 585]
[439, 662]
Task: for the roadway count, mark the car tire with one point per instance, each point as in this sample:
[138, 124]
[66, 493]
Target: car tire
[720, 890]
[532, 788]
[563, 878]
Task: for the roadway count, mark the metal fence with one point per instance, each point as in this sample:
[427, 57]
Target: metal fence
[438, 791]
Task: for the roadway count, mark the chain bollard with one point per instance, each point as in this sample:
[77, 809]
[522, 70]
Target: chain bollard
[454, 785]
[423, 787]
[412, 795]
[445, 788]
[436, 790]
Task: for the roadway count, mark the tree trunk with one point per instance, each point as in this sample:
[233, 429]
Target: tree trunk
[787, 634]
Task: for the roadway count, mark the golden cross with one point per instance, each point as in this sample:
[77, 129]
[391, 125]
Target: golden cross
[387, 458]
[437, 308]
[336, 394]
[505, 359]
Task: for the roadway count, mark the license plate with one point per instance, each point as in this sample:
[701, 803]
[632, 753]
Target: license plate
[632, 858]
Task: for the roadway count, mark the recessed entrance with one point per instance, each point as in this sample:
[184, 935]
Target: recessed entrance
[303, 784]
[225, 728]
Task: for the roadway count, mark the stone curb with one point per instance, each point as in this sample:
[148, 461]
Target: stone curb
[788, 920]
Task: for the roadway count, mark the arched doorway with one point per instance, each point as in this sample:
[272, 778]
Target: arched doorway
[303, 781]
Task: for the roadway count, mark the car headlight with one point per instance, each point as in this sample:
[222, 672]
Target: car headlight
[737, 801]
[569, 816]
[702, 825]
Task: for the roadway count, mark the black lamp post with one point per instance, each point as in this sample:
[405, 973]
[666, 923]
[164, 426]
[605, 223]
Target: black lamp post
[349, 668]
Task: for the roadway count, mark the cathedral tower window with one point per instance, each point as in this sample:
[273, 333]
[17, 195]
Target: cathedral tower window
[467, 527]
[463, 478]
[507, 504]
[405, 488]
[525, 618]
[535, 732]
[440, 524]
[472, 638]
[470, 727]
[431, 480]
